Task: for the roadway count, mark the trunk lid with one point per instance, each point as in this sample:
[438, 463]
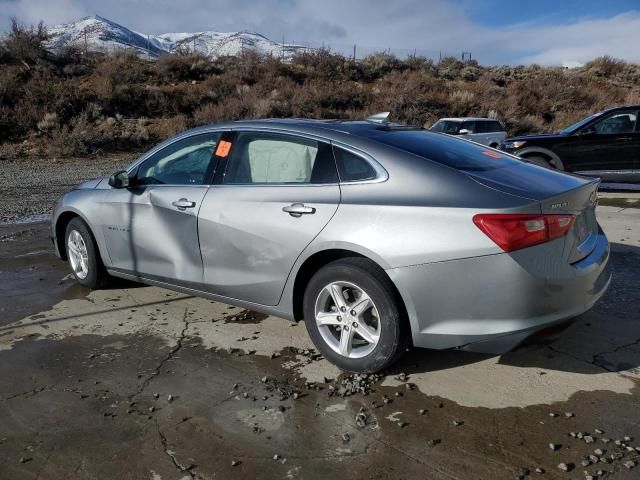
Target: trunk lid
[556, 193]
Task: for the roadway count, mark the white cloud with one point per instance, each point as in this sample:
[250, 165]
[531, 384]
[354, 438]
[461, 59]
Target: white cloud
[401, 25]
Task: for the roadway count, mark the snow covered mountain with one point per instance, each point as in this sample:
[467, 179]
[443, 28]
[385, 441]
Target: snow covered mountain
[100, 34]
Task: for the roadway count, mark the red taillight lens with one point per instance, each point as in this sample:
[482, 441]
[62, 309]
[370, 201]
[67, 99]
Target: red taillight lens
[515, 231]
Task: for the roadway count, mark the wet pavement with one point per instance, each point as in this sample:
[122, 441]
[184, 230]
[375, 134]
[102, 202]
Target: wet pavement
[143, 383]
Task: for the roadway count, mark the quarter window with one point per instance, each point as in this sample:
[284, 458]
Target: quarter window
[185, 162]
[266, 158]
[352, 167]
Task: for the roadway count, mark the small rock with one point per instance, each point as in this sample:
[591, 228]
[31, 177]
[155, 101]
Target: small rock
[569, 414]
[402, 424]
[170, 398]
[629, 464]
[25, 459]
[235, 463]
[627, 438]
[605, 440]
[276, 457]
[151, 409]
[264, 379]
[554, 446]
[422, 411]
[156, 395]
[586, 462]
[346, 438]
[593, 459]
[361, 420]
[539, 470]
[598, 431]
[599, 452]
[553, 415]
[296, 395]
[588, 439]
[565, 467]
[457, 423]
[580, 435]
[433, 442]
[572, 434]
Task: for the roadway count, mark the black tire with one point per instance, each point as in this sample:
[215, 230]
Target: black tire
[394, 333]
[97, 274]
[542, 161]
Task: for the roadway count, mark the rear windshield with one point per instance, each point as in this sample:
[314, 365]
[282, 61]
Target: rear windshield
[459, 154]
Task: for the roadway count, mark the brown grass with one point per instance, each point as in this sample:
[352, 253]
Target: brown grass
[69, 104]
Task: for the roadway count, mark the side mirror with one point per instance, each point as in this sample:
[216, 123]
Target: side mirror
[119, 179]
[464, 131]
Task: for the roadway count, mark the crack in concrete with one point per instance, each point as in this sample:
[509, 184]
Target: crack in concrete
[172, 456]
[156, 371]
[597, 359]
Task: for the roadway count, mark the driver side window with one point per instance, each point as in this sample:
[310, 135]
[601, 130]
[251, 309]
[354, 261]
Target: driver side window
[185, 162]
[622, 122]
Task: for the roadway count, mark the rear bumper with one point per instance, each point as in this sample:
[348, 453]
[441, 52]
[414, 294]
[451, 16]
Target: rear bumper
[492, 303]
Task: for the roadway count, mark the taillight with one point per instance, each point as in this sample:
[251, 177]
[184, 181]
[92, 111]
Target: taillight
[515, 231]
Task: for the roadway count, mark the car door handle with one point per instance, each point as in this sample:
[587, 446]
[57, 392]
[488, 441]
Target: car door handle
[298, 209]
[183, 204]
[624, 139]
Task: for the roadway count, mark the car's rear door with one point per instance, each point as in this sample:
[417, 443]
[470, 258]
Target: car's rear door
[276, 192]
[151, 228]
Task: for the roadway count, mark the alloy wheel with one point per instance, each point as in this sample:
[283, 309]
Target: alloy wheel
[78, 256]
[347, 319]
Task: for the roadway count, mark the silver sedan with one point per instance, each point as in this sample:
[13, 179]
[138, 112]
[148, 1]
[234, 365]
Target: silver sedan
[380, 236]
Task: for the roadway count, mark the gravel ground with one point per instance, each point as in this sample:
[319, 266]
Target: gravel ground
[39, 182]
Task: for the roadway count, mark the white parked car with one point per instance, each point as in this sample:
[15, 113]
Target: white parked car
[487, 131]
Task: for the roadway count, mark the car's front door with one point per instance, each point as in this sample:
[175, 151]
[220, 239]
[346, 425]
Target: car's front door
[151, 228]
[277, 192]
[608, 144]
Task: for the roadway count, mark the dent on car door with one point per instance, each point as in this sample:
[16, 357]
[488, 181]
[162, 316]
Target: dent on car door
[151, 227]
[276, 194]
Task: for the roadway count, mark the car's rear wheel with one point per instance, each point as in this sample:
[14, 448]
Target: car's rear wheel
[83, 256]
[353, 316]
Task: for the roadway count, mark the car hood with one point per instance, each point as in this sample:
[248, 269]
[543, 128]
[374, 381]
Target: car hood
[88, 185]
[540, 136]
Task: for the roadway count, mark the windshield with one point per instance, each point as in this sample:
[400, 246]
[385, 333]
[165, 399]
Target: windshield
[459, 154]
[446, 126]
[576, 126]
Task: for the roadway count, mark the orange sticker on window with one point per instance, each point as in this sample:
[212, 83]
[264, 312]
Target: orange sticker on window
[223, 148]
[491, 154]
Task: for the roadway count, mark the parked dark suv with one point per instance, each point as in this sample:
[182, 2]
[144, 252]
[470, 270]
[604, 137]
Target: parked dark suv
[605, 145]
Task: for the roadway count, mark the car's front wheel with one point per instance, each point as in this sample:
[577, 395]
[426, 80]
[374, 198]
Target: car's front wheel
[353, 316]
[83, 256]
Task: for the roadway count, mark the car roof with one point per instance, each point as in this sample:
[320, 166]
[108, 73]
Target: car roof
[330, 129]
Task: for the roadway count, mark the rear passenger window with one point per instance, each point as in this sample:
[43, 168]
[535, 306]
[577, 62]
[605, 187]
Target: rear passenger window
[495, 126]
[352, 167]
[482, 127]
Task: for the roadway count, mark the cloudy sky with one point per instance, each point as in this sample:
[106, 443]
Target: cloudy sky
[556, 32]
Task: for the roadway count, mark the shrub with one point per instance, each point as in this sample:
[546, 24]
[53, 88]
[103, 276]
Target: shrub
[25, 43]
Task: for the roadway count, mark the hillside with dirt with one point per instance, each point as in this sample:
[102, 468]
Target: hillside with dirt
[73, 103]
